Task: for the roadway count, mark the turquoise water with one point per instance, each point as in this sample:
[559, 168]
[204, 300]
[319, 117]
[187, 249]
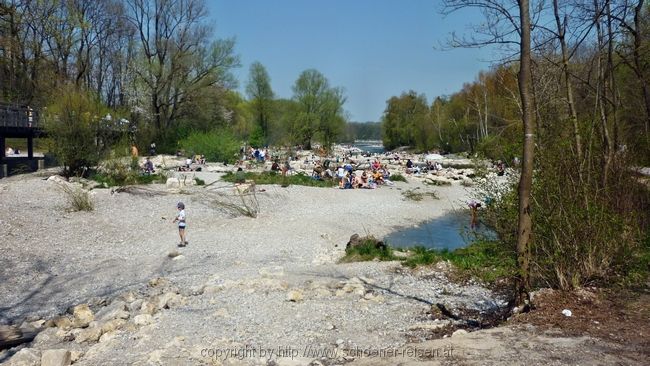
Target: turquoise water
[450, 231]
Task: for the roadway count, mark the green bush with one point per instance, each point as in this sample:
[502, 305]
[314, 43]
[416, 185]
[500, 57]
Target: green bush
[397, 178]
[484, 260]
[274, 178]
[369, 250]
[218, 145]
[74, 123]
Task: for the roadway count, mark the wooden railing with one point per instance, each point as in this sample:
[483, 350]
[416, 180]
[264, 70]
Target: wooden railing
[12, 115]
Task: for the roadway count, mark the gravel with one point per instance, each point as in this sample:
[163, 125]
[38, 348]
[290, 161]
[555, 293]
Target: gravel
[236, 275]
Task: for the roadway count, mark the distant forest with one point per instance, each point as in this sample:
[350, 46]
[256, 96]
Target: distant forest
[362, 131]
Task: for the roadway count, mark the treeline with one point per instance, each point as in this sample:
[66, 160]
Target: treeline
[156, 64]
[361, 131]
[591, 84]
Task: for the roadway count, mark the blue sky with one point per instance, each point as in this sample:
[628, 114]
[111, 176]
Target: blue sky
[374, 49]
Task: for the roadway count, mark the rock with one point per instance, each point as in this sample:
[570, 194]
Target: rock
[82, 316]
[129, 296]
[169, 300]
[356, 240]
[148, 307]
[566, 312]
[143, 319]
[178, 258]
[173, 253]
[26, 357]
[172, 183]
[89, 335]
[135, 305]
[159, 282]
[75, 356]
[107, 337]
[61, 322]
[458, 332]
[56, 357]
[116, 310]
[295, 296]
[112, 325]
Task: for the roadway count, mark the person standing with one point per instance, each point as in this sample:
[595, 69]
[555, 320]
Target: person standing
[152, 149]
[180, 218]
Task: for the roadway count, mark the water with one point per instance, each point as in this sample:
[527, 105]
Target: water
[371, 146]
[450, 231]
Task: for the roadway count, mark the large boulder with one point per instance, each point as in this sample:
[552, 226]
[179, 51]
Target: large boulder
[82, 316]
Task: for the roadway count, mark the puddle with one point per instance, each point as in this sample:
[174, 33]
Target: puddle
[450, 231]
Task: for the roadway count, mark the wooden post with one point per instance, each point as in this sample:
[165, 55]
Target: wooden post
[30, 147]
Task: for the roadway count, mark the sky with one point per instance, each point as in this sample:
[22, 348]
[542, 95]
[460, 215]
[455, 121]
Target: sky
[373, 49]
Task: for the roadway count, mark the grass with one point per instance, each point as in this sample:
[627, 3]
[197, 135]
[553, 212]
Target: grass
[285, 181]
[412, 195]
[78, 198]
[397, 178]
[368, 251]
[485, 260]
[108, 180]
[199, 181]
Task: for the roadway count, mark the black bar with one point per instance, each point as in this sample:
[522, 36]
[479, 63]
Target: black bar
[2, 147]
[30, 147]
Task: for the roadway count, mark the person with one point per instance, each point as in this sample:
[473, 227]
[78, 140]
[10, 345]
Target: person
[188, 163]
[474, 206]
[148, 166]
[275, 167]
[240, 176]
[9, 151]
[180, 218]
[17, 152]
[134, 151]
[501, 168]
[152, 149]
[409, 166]
[286, 168]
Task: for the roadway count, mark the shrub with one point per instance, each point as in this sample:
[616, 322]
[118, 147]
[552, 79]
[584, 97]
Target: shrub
[397, 178]
[73, 122]
[369, 250]
[78, 198]
[274, 178]
[217, 145]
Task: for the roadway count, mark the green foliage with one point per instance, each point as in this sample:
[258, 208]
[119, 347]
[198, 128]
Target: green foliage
[369, 250]
[397, 178]
[256, 137]
[319, 110]
[406, 122]
[275, 178]
[584, 233]
[499, 148]
[361, 131]
[217, 145]
[261, 98]
[74, 124]
[485, 260]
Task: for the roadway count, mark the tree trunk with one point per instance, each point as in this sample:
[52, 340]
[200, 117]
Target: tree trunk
[524, 232]
[573, 114]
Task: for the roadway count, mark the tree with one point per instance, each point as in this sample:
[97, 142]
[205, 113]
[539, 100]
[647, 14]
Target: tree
[261, 97]
[406, 121]
[177, 61]
[320, 109]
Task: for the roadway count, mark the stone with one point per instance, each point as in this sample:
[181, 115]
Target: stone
[26, 357]
[129, 296]
[75, 356]
[82, 316]
[56, 357]
[136, 305]
[143, 319]
[89, 335]
[48, 335]
[172, 183]
[295, 296]
[61, 322]
[458, 332]
[159, 282]
[148, 307]
[112, 325]
[169, 300]
[107, 337]
[116, 310]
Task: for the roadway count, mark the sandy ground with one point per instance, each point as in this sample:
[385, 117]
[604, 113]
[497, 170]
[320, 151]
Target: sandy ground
[246, 270]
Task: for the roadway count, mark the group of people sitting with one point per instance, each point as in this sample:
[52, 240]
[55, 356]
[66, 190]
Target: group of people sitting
[370, 178]
[9, 151]
[196, 159]
[429, 167]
